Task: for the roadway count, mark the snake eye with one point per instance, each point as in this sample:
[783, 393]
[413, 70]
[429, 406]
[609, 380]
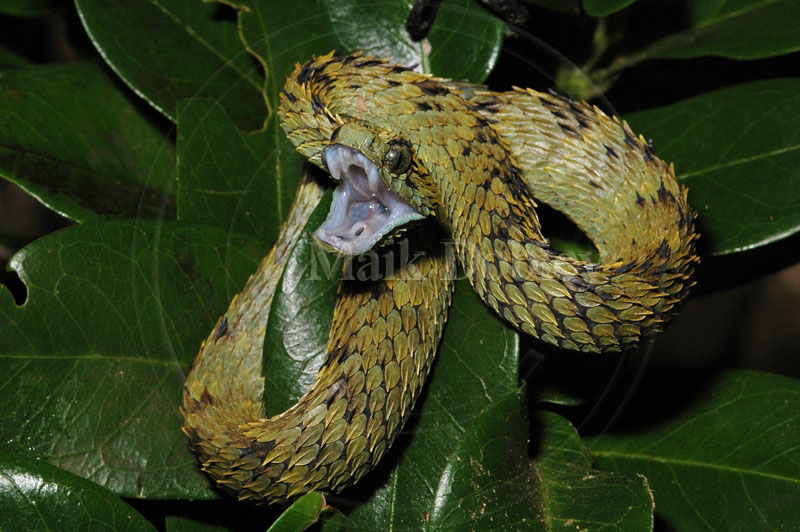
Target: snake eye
[397, 158]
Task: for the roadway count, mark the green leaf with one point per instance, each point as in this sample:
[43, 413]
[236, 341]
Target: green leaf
[738, 151]
[240, 182]
[166, 50]
[603, 8]
[36, 496]
[24, 8]
[295, 346]
[303, 513]
[721, 455]
[738, 29]
[464, 41]
[579, 497]
[93, 364]
[74, 141]
[9, 58]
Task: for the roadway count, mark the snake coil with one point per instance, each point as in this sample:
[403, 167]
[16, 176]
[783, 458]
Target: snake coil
[404, 146]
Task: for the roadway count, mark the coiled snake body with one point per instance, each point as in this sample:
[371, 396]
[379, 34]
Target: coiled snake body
[403, 146]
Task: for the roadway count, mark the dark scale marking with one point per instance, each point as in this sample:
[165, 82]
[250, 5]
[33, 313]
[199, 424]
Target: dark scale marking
[398, 69]
[392, 83]
[630, 140]
[260, 449]
[346, 60]
[625, 268]
[649, 152]
[551, 106]
[423, 106]
[370, 63]
[480, 136]
[663, 250]
[488, 105]
[291, 97]
[206, 398]
[595, 184]
[336, 391]
[318, 106]
[665, 195]
[432, 88]
[558, 114]
[579, 284]
[222, 329]
[323, 79]
[639, 200]
[569, 130]
[355, 86]
[467, 151]
[305, 73]
[611, 152]
[583, 124]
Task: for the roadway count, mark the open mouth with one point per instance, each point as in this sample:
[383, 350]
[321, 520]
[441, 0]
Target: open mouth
[364, 210]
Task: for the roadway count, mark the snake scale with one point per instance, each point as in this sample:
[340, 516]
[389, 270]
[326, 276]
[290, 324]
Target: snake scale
[404, 146]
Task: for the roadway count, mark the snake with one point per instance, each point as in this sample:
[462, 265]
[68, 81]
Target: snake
[433, 160]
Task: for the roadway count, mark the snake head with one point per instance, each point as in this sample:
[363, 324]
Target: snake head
[368, 203]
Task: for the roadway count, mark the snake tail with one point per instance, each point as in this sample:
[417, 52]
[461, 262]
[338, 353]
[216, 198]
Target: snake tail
[479, 161]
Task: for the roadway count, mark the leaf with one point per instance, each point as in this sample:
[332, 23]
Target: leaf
[93, 364]
[240, 182]
[303, 513]
[37, 496]
[295, 345]
[10, 59]
[579, 497]
[738, 152]
[489, 483]
[166, 50]
[465, 44]
[603, 8]
[738, 29]
[24, 8]
[74, 141]
[721, 452]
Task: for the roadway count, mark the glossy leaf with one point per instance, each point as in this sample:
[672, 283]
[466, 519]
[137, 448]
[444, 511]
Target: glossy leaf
[303, 513]
[36, 496]
[79, 145]
[295, 345]
[243, 183]
[464, 41]
[602, 8]
[738, 151]
[722, 456]
[166, 50]
[739, 29]
[491, 484]
[95, 360]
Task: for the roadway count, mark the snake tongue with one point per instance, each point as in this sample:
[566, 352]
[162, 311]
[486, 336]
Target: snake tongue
[364, 210]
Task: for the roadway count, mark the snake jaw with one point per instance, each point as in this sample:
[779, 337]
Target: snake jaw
[364, 210]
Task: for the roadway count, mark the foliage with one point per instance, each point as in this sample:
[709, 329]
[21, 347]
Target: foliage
[168, 157]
